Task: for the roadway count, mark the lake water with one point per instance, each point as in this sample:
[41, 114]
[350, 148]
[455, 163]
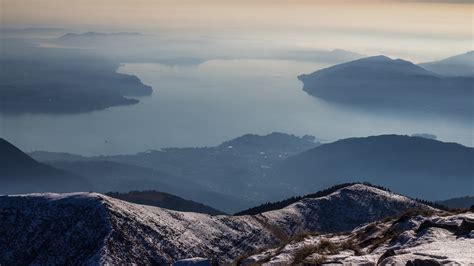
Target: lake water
[213, 102]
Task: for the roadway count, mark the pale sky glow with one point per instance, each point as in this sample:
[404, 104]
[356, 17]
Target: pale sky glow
[304, 22]
[442, 18]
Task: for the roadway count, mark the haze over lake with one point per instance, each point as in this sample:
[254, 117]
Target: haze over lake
[215, 101]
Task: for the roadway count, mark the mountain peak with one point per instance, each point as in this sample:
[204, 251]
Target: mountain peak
[392, 164]
[11, 155]
[390, 84]
[311, 210]
[368, 67]
[376, 58]
[272, 140]
[20, 173]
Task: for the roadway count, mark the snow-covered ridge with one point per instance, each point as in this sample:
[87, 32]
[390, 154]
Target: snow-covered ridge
[413, 239]
[78, 228]
[340, 211]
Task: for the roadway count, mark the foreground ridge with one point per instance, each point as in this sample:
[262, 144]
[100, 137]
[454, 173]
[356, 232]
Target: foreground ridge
[415, 238]
[82, 228]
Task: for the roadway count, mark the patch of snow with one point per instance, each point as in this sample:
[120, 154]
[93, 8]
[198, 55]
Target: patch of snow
[193, 262]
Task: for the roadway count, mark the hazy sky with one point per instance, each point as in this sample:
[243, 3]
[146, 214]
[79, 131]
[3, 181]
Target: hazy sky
[359, 25]
[453, 18]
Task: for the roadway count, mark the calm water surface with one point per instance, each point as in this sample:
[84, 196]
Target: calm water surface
[213, 102]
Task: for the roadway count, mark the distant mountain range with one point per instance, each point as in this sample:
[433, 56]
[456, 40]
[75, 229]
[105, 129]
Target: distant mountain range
[93, 38]
[32, 32]
[252, 169]
[465, 202]
[415, 166]
[326, 56]
[117, 45]
[90, 228]
[384, 83]
[458, 65]
[113, 176]
[229, 177]
[19, 173]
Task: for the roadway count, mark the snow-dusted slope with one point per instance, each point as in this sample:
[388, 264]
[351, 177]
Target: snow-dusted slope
[432, 239]
[93, 228]
[340, 211]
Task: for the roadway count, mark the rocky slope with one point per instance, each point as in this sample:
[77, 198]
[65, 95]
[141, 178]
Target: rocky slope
[413, 239]
[93, 228]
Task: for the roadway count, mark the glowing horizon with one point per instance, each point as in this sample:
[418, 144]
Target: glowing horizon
[307, 24]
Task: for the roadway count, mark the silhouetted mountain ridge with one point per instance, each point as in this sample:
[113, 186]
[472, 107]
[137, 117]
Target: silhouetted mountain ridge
[257, 169]
[384, 83]
[275, 140]
[164, 200]
[19, 173]
[54, 80]
[230, 176]
[458, 65]
[375, 66]
[91, 38]
[417, 167]
[458, 203]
